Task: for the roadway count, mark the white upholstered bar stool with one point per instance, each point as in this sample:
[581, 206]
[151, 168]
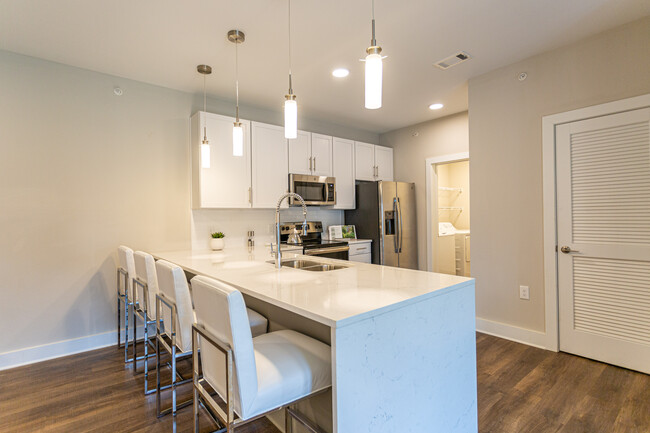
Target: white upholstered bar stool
[252, 376]
[125, 274]
[174, 306]
[145, 289]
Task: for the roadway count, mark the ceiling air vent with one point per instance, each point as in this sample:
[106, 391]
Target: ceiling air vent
[453, 60]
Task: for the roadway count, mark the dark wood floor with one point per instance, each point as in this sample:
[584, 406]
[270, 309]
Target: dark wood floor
[520, 389]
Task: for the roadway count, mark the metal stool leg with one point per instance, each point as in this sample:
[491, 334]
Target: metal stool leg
[287, 420]
[126, 329]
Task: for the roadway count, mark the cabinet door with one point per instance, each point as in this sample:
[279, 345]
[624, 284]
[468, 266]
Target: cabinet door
[364, 161]
[300, 154]
[321, 155]
[384, 162]
[226, 183]
[270, 165]
[343, 171]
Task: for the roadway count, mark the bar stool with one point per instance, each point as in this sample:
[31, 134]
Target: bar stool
[125, 273]
[145, 289]
[174, 306]
[252, 376]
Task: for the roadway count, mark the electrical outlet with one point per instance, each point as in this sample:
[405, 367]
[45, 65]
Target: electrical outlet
[524, 292]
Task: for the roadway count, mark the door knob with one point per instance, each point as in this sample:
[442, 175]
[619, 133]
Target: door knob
[567, 250]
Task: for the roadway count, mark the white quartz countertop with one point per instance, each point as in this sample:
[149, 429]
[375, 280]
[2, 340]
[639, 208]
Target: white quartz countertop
[334, 298]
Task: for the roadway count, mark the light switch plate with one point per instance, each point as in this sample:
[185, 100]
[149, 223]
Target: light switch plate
[524, 292]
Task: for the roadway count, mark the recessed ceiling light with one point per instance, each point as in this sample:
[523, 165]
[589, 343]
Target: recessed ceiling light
[435, 106]
[340, 72]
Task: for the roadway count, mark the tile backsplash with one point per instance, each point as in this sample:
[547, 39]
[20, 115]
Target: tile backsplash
[235, 223]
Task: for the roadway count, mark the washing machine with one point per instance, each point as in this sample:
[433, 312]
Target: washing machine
[462, 244]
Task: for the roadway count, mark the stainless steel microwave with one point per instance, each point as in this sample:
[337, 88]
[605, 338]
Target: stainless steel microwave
[315, 190]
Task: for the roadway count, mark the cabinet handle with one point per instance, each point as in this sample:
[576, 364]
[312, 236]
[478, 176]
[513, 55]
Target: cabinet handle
[314, 163]
[310, 163]
[250, 195]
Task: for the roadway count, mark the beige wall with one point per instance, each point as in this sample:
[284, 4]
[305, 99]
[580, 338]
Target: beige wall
[412, 146]
[81, 172]
[454, 175]
[506, 157]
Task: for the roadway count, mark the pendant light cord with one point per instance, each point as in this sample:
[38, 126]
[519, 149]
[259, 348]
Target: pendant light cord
[373, 41]
[205, 133]
[237, 78]
[290, 86]
[204, 92]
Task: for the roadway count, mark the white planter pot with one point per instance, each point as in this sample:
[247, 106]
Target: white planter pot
[217, 244]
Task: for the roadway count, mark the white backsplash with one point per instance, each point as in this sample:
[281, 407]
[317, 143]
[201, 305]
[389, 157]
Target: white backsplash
[235, 223]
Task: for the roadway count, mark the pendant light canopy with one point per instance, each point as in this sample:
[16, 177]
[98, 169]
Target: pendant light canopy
[237, 37]
[374, 70]
[290, 105]
[205, 144]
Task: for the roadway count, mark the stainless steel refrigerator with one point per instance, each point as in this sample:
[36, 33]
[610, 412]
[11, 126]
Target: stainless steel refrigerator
[385, 213]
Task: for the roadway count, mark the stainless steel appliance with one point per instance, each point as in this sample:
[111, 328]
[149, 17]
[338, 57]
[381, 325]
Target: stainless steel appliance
[315, 190]
[385, 213]
[313, 243]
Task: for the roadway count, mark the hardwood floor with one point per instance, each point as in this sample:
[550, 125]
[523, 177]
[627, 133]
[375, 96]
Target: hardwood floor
[520, 389]
[524, 389]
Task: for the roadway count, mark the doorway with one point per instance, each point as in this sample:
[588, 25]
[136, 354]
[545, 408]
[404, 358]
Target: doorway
[600, 291]
[448, 215]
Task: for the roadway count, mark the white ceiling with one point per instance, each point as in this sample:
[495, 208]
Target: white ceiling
[162, 41]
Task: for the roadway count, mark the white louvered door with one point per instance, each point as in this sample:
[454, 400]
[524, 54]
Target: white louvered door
[603, 220]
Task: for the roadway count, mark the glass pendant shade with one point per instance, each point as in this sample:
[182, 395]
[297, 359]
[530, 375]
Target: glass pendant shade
[373, 81]
[237, 140]
[205, 154]
[290, 117]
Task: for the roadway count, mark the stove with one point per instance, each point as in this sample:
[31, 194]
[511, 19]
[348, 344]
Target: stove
[313, 243]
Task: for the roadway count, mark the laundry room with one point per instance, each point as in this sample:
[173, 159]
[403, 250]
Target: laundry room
[452, 249]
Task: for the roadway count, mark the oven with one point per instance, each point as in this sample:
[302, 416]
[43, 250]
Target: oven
[313, 243]
[315, 190]
[340, 252]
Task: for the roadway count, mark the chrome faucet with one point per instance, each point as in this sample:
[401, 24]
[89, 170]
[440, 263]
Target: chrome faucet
[278, 253]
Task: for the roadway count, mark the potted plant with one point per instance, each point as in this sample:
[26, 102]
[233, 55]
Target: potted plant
[217, 241]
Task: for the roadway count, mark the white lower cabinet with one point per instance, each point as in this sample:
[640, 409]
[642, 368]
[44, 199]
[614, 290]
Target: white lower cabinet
[360, 251]
[270, 165]
[343, 171]
[219, 179]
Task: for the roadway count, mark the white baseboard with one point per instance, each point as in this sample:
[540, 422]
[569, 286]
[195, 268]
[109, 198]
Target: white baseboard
[44, 352]
[513, 333]
[31, 355]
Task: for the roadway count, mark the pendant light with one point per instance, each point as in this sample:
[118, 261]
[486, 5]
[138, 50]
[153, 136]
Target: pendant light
[290, 106]
[237, 37]
[205, 144]
[373, 70]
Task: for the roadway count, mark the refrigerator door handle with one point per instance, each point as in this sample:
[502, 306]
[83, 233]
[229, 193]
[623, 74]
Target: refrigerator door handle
[397, 230]
[399, 216]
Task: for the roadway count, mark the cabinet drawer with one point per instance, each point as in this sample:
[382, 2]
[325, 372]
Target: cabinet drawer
[359, 248]
[362, 258]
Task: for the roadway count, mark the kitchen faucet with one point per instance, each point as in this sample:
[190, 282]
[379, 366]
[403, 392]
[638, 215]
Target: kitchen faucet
[278, 253]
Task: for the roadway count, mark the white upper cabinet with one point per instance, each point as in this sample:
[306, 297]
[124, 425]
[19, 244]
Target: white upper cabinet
[364, 161]
[270, 165]
[384, 163]
[226, 182]
[343, 171]
[310, 154]
[373, 162]
[321, 155]
[300, 154]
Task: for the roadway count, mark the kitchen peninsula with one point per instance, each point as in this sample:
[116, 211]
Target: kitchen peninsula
[403, 341]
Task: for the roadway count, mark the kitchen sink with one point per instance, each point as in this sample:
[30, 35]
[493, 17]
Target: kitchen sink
[308, 265]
